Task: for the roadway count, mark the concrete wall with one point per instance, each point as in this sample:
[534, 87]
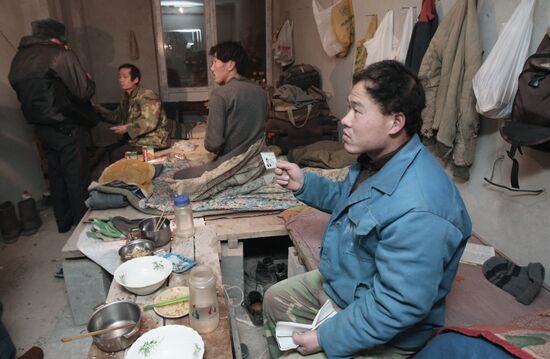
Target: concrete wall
[19, 160]
[102, 30]
[516, 225]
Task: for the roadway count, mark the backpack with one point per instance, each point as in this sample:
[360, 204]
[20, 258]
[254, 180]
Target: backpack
[303, 76]
[530, 120]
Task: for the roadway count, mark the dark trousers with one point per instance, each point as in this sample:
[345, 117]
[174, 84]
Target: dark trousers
[7, 349]
[68, 171]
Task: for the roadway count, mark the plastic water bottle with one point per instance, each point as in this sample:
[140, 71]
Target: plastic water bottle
[184, 216]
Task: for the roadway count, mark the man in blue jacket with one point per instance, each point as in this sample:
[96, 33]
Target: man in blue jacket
[397, 230]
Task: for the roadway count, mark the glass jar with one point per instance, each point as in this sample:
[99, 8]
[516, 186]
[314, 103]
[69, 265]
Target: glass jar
[203, 301]
[184, 216]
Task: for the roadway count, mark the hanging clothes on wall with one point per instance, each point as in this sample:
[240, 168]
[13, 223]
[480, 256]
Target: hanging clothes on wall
[422, 34]
[360, 50]
[449, 65]
[380, 47]
[408, 24]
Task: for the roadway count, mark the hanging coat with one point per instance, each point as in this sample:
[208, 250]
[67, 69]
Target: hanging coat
[446, 72]
[423, 31]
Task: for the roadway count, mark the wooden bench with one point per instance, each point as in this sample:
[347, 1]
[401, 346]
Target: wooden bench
[203, 248]
[472, 299]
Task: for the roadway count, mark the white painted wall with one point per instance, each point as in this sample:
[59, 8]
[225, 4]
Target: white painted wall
[516, 225]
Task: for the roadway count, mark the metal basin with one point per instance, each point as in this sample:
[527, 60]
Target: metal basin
[159, 237]
[113, 315]
[136, 248]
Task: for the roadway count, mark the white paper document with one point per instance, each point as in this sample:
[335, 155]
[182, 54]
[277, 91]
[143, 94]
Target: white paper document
[477, 253]
[284, 330]
[270, 161]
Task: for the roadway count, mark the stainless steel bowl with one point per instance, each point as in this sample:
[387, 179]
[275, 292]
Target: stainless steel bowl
[136, 248]
[113, 315]
[159, 237]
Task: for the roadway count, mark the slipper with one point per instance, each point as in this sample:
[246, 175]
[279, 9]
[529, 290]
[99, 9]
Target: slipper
[253, 305]
[59, 274]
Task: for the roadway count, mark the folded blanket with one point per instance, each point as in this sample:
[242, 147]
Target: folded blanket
[235, 171]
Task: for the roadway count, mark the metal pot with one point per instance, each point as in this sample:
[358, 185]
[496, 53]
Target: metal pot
[112, 315]
[159, 237]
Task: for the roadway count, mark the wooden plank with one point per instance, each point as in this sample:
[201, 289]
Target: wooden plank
[250, 227]
[218, 342]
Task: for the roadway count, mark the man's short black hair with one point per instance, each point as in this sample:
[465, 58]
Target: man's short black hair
[230, 50]
[134, 71]
[395, 89]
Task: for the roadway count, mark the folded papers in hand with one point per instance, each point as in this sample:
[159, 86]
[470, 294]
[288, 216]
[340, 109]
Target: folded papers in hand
[284, 330]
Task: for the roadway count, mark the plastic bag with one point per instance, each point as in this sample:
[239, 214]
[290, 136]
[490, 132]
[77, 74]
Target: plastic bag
[343, 25]
[323, 18]
[380, 47]
[408, 24]
[495, 83]
[283, 47]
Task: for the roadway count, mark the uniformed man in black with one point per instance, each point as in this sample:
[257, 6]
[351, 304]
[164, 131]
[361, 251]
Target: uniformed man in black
[53, 87]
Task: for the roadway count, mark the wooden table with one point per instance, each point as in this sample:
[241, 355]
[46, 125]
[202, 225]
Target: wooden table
[203, 248]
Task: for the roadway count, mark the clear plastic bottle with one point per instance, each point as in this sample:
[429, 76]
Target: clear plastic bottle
[203, 301]
[184, 216]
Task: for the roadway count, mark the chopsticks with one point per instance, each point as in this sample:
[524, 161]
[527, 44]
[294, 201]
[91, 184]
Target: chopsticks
[161, 220]
[97, 332]
[166, 302]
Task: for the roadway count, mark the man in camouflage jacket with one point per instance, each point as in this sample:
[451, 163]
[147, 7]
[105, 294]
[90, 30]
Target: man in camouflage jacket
[140, 115]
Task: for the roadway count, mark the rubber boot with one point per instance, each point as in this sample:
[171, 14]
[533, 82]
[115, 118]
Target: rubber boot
[9, 224]
[29, 216]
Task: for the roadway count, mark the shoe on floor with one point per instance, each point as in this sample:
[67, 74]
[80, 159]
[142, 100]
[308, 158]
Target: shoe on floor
[253, 305]
[9, 224]
[30, 219]
[59, 274]
[64, 227]
[33, 353]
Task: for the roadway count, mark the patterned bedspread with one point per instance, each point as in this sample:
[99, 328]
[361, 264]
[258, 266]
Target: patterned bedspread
[261, 194]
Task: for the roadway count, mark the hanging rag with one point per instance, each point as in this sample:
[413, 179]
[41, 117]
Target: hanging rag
[380, 47]
[408, 24]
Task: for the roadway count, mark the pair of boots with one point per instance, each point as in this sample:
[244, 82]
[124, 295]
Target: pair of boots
[11, 227]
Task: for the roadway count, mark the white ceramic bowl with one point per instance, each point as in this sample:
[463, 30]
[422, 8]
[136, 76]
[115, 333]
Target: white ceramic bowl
[168, 342]
[143, 275]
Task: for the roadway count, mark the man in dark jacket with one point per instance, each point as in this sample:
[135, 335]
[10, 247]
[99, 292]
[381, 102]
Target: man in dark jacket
[52, 86]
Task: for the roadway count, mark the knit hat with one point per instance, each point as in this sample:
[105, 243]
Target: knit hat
[524, 283]
[48, 28]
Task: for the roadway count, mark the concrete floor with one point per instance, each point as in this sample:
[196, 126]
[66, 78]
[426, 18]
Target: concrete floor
[36, 310]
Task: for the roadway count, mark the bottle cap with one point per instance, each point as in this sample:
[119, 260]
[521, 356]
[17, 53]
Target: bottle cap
[181, 200]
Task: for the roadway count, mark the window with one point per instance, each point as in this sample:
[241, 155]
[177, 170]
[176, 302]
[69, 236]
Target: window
[185, 31]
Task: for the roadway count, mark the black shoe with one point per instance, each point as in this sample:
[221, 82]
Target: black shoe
[29, 216]
[59, 274]
[253, 305]
[9, 224]
[265, 271]
[281, 271]
[64, 227]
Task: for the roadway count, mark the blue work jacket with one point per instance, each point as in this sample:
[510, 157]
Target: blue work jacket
[390, 251]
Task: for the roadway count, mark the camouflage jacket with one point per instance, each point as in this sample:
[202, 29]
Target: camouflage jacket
[142, 110]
